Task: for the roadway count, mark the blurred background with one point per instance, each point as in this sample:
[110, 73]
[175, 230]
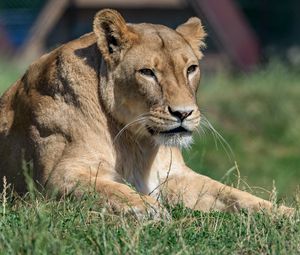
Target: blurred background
[250, 89]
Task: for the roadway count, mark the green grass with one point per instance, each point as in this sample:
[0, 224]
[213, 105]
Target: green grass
[35, 225]
[258, 115]
[9, 73]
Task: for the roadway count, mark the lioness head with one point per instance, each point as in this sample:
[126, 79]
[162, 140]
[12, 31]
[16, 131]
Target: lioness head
[151, 75]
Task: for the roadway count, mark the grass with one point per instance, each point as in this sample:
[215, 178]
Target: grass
[9, 73]
[35, 225]
[258, 115]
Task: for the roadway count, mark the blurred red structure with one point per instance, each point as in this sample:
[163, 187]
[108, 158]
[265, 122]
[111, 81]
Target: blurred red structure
[228, 27]
[232, 29]
[5, 45]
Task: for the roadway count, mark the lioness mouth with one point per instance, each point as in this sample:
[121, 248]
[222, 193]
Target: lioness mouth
[177, 130]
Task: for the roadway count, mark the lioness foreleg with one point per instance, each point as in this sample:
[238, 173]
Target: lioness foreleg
[202, 193]
[122, 198]
[115, 195]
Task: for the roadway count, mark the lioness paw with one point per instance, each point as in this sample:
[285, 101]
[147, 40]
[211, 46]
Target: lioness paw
[286, 211]
[142, 208]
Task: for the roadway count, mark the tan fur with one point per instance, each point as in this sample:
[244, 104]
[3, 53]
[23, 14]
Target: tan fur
[88, 114]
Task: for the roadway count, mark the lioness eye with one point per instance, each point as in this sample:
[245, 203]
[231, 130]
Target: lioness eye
[147, 72]
[191, 69]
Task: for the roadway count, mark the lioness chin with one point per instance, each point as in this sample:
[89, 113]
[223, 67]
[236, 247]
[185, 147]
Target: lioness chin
[113, 108]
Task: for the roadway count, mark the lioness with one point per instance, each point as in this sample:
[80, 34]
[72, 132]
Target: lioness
[110, 111]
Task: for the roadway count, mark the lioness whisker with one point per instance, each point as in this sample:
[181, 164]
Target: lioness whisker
[218, 137]
[205, 125]
[200, 130]
[138, 120]
[138, 134]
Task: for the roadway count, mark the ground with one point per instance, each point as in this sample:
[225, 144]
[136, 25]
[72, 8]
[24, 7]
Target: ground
[258, 116]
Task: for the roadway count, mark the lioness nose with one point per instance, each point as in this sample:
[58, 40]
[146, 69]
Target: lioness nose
[180, 113]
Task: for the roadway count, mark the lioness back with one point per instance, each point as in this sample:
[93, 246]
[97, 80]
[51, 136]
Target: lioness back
[40, 110]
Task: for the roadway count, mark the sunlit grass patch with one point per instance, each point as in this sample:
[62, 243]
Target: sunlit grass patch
[82, 226]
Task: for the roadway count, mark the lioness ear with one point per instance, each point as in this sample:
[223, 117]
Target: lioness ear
[193, 32]
[113, 35]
